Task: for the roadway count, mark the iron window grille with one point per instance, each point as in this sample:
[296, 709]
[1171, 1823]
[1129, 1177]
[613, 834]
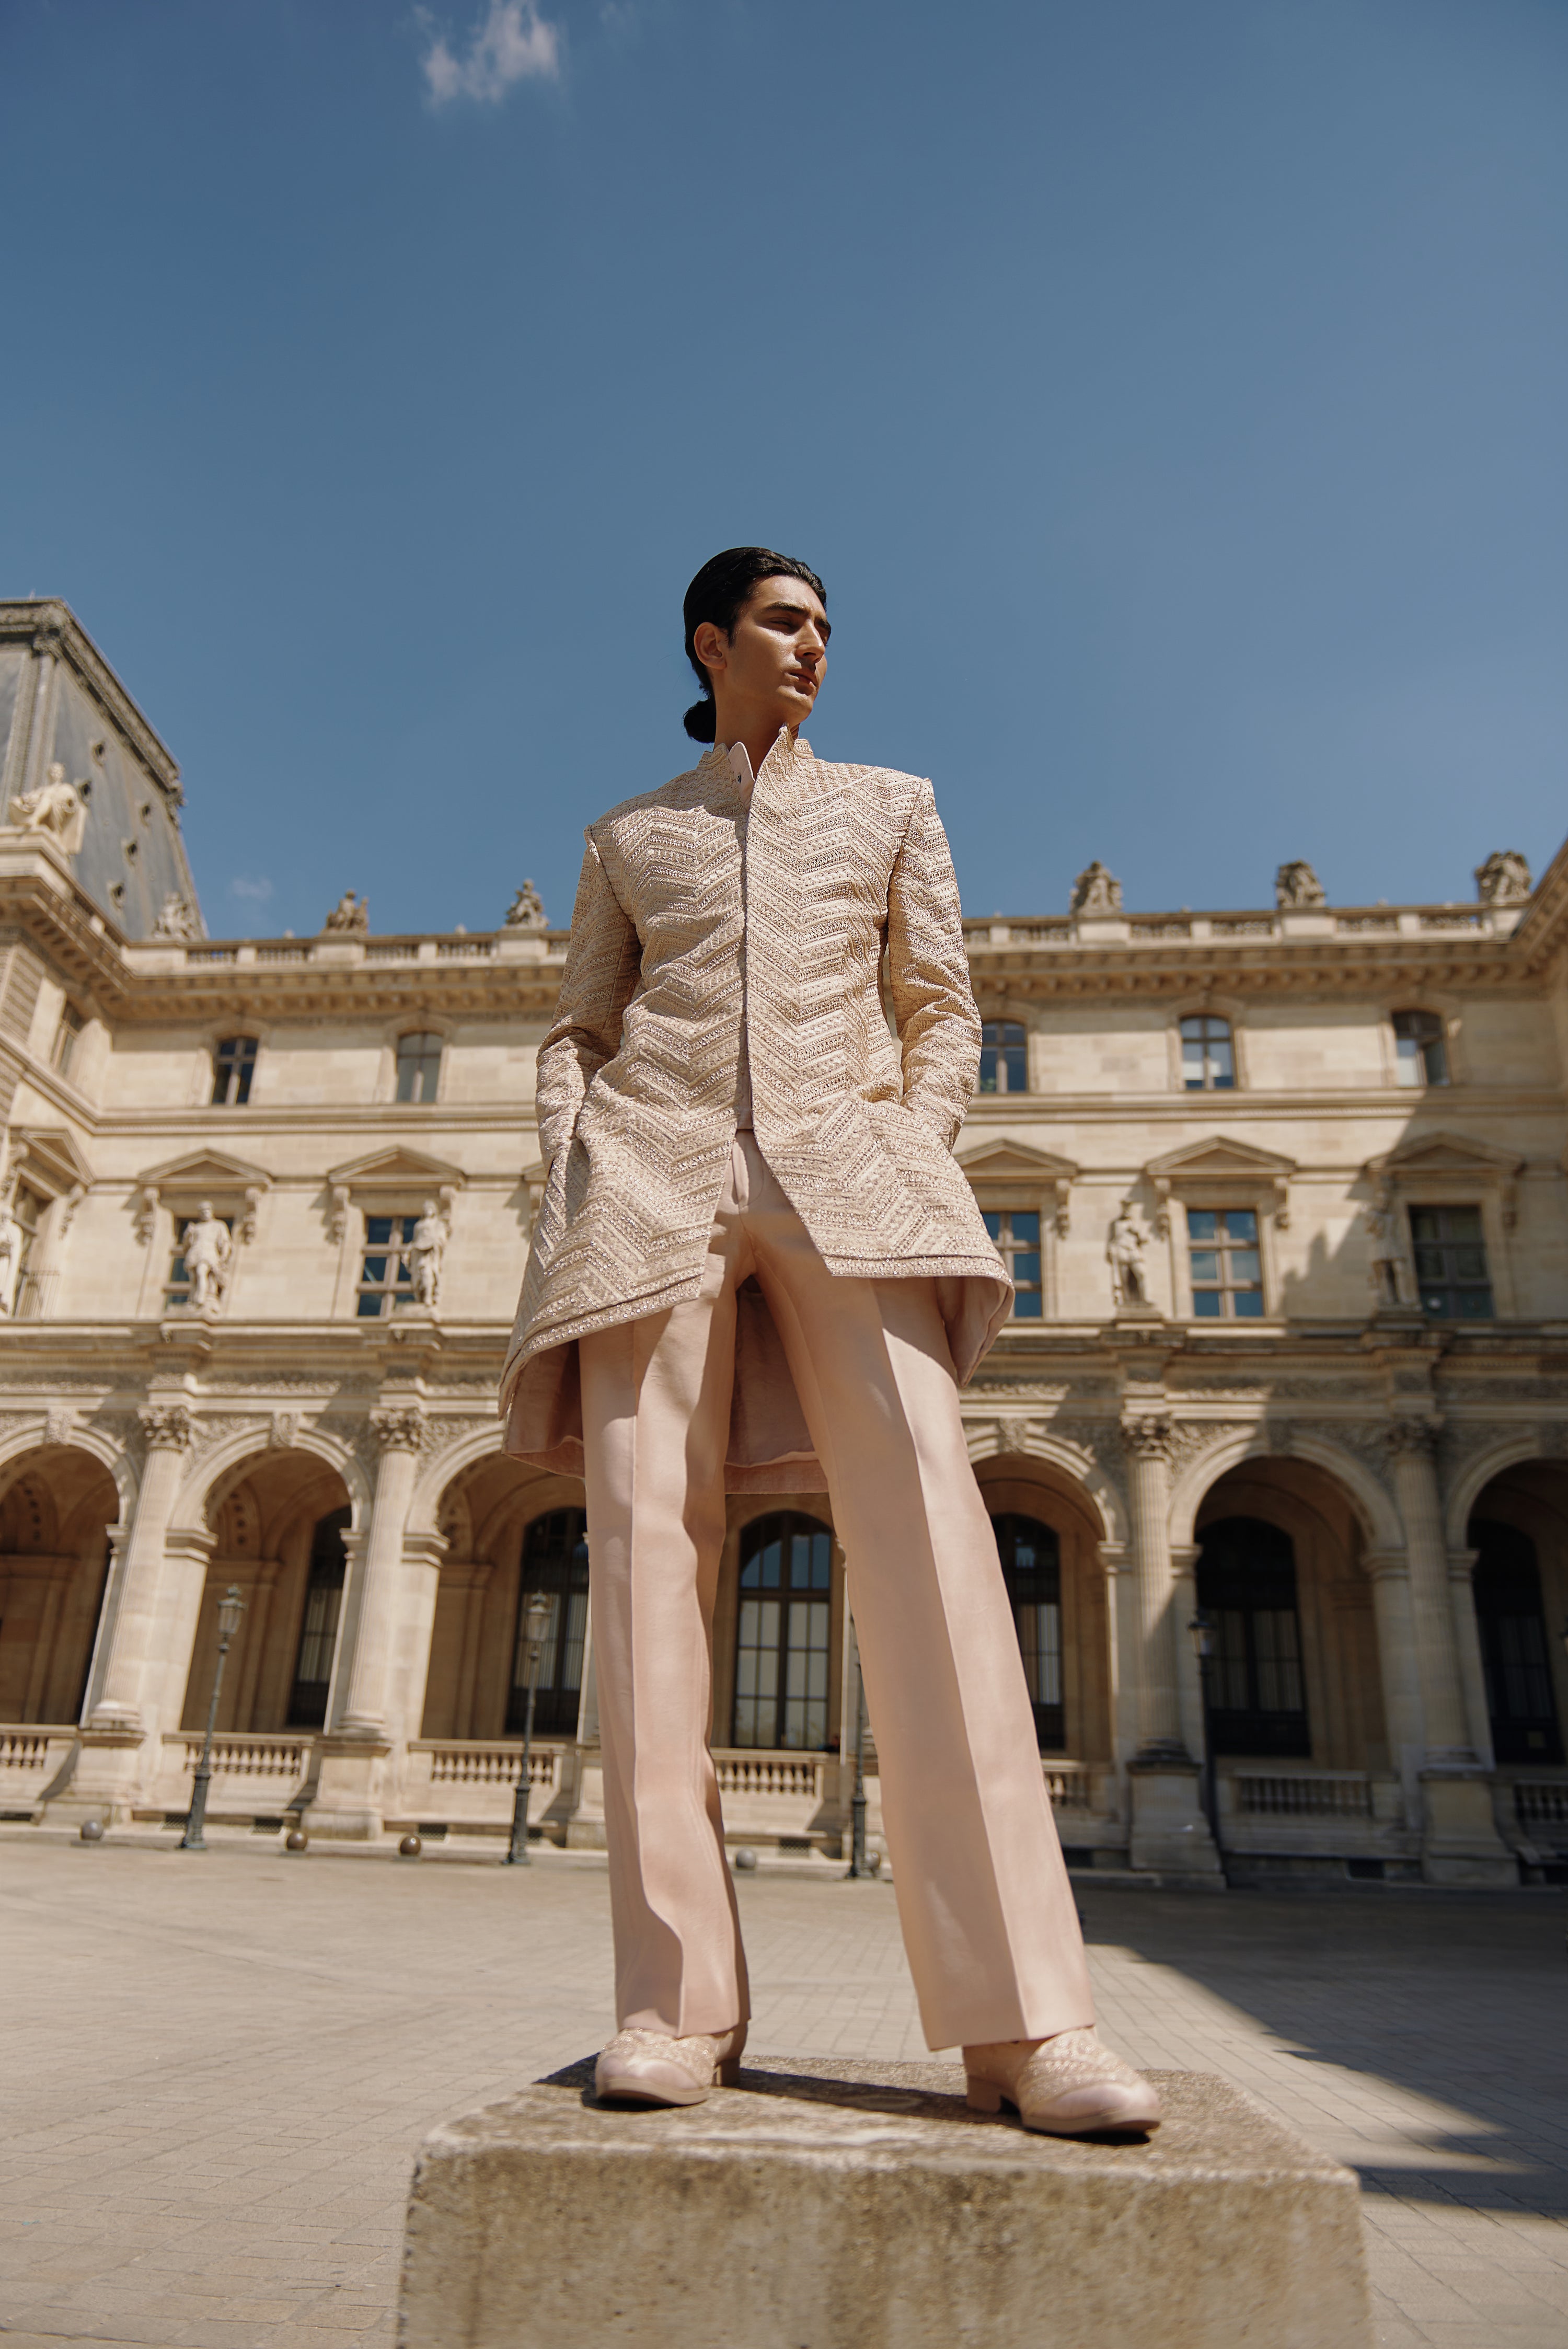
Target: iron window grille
[1016, 1234]
[782, 1632]
[1003, 1057]
[177, 1288]
[318, 1622]
[1451, 1263]
[1031, 1567]
[1420, 1055]
[386, 1280]
[554, 1561]
[1208, 1055]
[1256, 1692]
[419, 1067]
[1225, 1264]
[233, 1067]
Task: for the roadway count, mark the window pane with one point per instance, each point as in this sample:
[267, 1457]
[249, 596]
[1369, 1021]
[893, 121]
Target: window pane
[1026, 1267]
[1247, 1267]
[369, 1309]
[993, 1222]
[1475, 1305]
[1016, 1060]
[1221, 1068]
[1206, 1304]
[1027, 1306]
[1202, 1223]
[987, 1069]
[1240, 1223]
[1193, 1064]
[1026, 1227]
[1408, 1066]
[1434, 1063]
[1248, 1304]
[1463, 1223]
[1205, 1264]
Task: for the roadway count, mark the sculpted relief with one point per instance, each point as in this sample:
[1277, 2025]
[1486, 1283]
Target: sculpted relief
[56, 807]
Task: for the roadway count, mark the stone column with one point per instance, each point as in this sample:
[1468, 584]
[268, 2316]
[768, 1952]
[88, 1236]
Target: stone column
[111, 1765]
[1396, 1675]
[1467, 1639]
[354, 1776]
[1170, 1833]
[1459, 1842]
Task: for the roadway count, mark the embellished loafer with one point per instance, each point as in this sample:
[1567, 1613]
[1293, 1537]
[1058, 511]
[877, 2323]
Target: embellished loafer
[1071, 2086]
[649, 2068]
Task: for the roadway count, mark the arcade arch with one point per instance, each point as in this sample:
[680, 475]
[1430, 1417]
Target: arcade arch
[1020, 1490]
[505, 1530]
[57, 1506]
[276, 1523]
[1517, 1535]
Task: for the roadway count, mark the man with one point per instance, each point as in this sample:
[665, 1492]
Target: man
[757, 1266]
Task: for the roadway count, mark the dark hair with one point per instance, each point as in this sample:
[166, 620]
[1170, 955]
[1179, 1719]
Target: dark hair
[720, 593]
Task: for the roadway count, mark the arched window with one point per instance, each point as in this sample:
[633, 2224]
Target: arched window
[419, 1067]
[318, 1624]
[554, 1560]
[1031, 1563]
[1003, 1057]
[1208, 1060]
[781, 1633]
[1420, 1056]
[1513, 1649]
[1246, 1585]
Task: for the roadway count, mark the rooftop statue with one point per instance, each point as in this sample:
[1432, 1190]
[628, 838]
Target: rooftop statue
[526, 911]
[1298, 885]
[1504, 879]
[1096, 891]
[56, 807]
[175, 918]
[351, 913]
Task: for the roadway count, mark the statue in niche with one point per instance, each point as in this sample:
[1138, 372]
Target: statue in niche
[1298, 885]
[207, 1249]
[1504, 879]
[175, 918]
[526, 911]
[1128, 1278]
[12, 1240]
[1390, 1267]
[351, 914]
[1096, 891]
[56, 807]
[425, 1251]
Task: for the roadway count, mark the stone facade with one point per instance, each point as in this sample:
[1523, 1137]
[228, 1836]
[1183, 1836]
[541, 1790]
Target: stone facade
[1285, 1195]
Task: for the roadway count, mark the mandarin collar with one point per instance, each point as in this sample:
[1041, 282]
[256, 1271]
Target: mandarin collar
[784, 753]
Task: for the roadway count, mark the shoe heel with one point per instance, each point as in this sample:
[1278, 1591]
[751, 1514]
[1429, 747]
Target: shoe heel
[982, 2095]
[728, 2074]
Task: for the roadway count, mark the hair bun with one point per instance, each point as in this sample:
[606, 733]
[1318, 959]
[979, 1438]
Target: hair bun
[700, 721]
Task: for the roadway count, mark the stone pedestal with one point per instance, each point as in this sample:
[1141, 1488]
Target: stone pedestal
[1459, 1841]
[827, 2205]
[1170, 1835]
[348, 1798]
[104, 1783]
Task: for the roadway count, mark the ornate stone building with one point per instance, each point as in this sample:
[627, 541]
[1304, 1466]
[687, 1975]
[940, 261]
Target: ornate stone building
[1285, 1196]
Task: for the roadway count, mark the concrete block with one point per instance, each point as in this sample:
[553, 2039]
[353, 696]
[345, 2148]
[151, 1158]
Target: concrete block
[831, 2205]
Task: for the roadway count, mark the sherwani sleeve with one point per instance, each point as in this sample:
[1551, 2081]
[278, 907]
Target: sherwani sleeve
[934, 1004]
[602, 962]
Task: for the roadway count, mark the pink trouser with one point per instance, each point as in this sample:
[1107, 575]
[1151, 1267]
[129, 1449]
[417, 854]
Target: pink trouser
[989, 1919]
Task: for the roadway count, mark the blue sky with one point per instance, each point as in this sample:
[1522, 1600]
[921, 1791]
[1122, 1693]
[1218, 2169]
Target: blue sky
[1171, 393]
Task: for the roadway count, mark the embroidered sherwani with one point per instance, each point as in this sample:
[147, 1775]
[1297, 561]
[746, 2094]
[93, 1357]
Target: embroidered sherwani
[701, 919]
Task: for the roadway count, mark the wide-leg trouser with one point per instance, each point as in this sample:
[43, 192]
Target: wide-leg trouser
[989, 1922]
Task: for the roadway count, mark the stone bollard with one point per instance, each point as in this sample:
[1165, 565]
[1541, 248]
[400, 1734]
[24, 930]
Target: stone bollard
[828, 2204]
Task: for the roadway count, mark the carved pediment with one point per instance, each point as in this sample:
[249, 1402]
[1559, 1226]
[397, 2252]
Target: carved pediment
[47, 1157]
[1015, 1161]
[1220, 1159]
[1445, 1154]
[397, 1169]
[204, 1172]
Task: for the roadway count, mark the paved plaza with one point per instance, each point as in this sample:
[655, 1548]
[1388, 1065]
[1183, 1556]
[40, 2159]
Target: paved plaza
[217, 2067]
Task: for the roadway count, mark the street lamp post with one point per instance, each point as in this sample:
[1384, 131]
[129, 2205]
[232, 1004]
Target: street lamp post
[230, 1610]
[1202, 1635]
[536, 1624]
[858, 1795]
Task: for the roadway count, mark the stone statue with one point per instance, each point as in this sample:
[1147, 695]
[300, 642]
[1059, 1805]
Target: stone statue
[425, 1251]
[1096, 891]
[526, 911]
[1129, 1282]
[11, 1241]
[56, 807]
[1390, 1267]
[1504, 879]
[207, 1249]
[351, 913]
[175, 919]
[1298, 885]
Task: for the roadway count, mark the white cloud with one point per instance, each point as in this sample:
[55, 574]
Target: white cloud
[259, 890]
[514, 44]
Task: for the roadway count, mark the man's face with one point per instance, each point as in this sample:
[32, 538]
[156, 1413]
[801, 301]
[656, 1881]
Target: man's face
[772, 666]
